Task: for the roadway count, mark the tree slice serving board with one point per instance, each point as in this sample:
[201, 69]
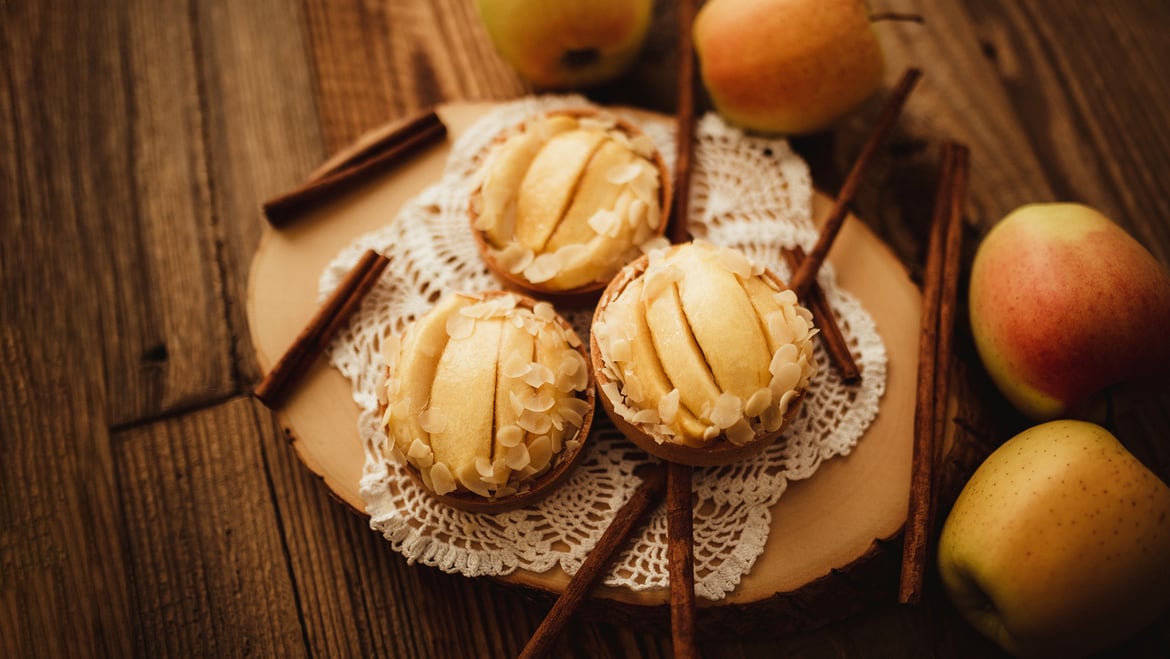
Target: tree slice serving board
[821, 525]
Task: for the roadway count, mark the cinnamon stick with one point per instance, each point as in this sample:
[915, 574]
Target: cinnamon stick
[312, 341]
[355, 168]
[807, 272]
[939, 298]
[679, 512]
[826, 321]
[680, 559]
[627, 518]
[684, 124]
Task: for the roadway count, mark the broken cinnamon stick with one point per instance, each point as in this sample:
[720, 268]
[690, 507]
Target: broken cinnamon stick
[627, 518]
[807, 272]
[834, 341]
[313, 340]
[355, 168]
[939, 298]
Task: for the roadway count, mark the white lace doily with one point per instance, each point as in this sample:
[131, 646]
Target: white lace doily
[747, 192]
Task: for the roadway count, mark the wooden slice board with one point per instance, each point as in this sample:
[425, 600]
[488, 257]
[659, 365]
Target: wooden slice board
[826, 523]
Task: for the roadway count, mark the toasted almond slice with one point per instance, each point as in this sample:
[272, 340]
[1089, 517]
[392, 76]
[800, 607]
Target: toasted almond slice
[550, 183]
[463, 393]
[442, 481]
[541, 452]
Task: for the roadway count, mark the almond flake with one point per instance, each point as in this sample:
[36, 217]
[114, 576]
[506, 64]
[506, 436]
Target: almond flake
[510, 435]
[758, 402]
[537, 400]
[668, 406]
[605, 222]
[612, 392]
[514, 257]
[643, 145]
[460, 326]
[517, 457]
[442, 482]
[786, 297]
[540, 453]
[778, 328]
[543, 268]
[736, 262]
[646, 417]
[544, 311]
[431, 421]
[727, 410]
[538, 374]
[785, 354]
[573, 410]
[636, 212]
[483, 466]
[740, 433]
[622, 174]
[536, 423]
[420, 451]
[785, 378]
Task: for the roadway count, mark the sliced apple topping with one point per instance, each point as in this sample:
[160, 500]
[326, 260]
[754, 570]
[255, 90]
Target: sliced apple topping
[567, 200]
[484, 393]
[703, 344]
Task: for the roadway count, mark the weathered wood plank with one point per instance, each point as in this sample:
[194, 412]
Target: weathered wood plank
[261, 136]
[376, 62]
[63, 577]
[208, 560]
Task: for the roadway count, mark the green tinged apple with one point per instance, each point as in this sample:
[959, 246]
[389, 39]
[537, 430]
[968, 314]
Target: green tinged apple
[567, 44]
[1064, 304]
[787, 66]
[1059, 544]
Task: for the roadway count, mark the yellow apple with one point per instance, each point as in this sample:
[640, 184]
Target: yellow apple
[787, 66]
[1059, 544]
[1064, 304]
[567, 44]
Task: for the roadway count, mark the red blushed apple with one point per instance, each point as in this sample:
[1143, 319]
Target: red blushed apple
[1065, 304]
[787, 66]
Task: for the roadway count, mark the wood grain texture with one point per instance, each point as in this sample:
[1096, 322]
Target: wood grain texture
[145, 508]
[203, 540]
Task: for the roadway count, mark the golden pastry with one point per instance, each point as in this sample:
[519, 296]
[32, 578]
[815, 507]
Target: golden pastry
[568, 198]
[487, 399]
[701, 355]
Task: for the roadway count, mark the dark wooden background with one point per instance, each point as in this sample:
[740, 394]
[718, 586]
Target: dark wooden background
[149, 506]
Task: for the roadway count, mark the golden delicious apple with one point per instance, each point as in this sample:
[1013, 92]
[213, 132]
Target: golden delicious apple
[567, 44]
[1059, 545]
[1065, 304]
[787, 66]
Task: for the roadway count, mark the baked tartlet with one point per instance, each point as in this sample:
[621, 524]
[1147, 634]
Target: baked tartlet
[564, 200]
[700, 355]
[487, 399]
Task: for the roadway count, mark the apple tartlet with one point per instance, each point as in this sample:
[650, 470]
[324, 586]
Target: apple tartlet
[700, 354]
[487, 399]
[566, 199]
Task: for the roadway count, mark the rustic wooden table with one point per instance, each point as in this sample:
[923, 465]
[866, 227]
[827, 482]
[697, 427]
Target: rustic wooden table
[150, 506]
